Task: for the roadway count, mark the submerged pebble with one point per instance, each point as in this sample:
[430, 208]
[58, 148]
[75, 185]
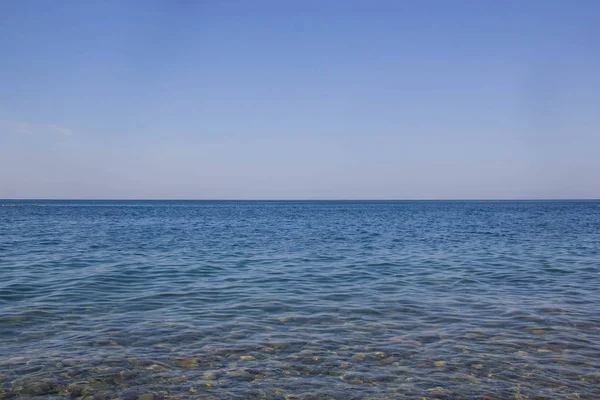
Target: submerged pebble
[209, 376]
[187, 362]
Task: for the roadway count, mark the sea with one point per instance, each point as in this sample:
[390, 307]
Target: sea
[149, 300]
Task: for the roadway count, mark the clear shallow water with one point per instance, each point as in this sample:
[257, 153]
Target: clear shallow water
[300, 300]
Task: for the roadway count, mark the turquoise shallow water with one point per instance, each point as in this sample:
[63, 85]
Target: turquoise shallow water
[299, 300]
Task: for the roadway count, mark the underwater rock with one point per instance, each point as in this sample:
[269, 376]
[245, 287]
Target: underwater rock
[209, 376]
[186, 362]
[438, 389]
[267, 350]
[239, 373]
[37, 389]
[292, 373]
[345, 365]
[542, 350]
[76, 389]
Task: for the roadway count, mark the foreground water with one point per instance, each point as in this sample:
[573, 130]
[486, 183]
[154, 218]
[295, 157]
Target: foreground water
[300, 300]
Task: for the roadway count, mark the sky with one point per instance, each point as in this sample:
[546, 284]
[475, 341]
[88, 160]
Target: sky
[303, 99]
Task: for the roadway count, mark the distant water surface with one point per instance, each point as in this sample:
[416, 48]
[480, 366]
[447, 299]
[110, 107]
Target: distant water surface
[299, 300]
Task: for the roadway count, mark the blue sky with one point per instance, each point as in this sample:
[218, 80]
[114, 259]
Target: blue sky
[299, 100]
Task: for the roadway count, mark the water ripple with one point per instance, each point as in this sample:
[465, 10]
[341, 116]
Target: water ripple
[300, 300]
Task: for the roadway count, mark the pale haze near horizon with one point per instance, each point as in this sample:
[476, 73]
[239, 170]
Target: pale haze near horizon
[299, 100]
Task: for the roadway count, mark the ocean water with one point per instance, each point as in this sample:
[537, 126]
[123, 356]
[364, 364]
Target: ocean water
[300, 300]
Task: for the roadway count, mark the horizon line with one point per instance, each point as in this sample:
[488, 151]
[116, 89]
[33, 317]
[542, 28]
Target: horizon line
[327, 199]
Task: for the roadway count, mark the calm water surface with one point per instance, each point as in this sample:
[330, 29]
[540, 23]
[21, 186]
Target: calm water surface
[300, 300]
